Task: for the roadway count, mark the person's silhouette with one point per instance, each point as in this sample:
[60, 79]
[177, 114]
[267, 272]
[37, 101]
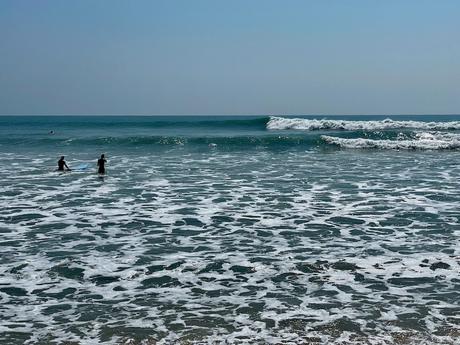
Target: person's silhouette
[62, 165]
[101, 164]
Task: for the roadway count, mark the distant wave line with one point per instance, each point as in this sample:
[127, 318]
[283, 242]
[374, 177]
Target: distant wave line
[282, 123]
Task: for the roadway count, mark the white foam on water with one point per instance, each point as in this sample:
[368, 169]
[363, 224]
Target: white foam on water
[281, 123]
[423, 141]
[295, 247]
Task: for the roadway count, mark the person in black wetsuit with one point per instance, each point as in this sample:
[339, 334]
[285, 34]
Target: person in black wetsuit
[101, 164]
[62, 165]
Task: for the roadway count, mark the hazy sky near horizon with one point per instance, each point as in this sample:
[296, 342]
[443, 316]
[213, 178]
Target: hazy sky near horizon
[229, 57]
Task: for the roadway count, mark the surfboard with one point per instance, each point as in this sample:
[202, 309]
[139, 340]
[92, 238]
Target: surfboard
[81, 167]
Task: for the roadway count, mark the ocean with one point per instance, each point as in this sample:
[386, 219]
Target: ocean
[230, 230]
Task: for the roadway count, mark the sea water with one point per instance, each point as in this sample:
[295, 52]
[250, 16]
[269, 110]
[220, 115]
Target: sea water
[236, 230]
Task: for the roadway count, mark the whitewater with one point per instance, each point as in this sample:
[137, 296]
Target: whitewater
[375, 125]
[230, 230]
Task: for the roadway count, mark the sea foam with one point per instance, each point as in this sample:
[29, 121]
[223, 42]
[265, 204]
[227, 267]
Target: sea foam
[185, 244]
[281, 123]
[421, 141]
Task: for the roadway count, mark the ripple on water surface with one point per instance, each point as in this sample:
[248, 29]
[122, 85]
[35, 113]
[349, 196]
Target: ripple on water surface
[294, 248]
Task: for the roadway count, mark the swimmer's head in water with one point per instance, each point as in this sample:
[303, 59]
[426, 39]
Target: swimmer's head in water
[102, 156]
[62, 157]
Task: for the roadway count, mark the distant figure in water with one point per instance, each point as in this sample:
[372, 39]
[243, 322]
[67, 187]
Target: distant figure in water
[51, 132]
[101, 164]
[62, 165]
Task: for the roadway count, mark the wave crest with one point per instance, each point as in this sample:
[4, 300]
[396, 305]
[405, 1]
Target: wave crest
[422, 141]
[281, 123]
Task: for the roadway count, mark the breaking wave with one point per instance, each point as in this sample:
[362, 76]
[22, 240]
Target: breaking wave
[282, 123]
[421, 141]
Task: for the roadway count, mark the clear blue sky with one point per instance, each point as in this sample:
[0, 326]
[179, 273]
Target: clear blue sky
[229, 57]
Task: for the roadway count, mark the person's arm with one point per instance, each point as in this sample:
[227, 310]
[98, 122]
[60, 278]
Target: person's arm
[67, 166]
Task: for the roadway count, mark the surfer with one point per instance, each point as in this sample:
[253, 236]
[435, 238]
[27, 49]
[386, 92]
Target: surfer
[62, 165]
[101, 164]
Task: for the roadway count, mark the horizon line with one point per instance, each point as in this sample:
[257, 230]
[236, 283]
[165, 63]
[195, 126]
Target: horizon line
[344, 114]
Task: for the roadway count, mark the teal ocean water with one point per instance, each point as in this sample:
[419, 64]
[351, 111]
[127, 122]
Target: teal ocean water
[234, 230]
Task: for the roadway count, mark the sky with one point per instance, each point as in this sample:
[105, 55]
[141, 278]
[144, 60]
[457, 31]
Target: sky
[211, 57]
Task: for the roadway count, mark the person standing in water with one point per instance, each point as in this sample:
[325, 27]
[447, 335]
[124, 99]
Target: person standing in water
[62, 165]
[101, 164]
